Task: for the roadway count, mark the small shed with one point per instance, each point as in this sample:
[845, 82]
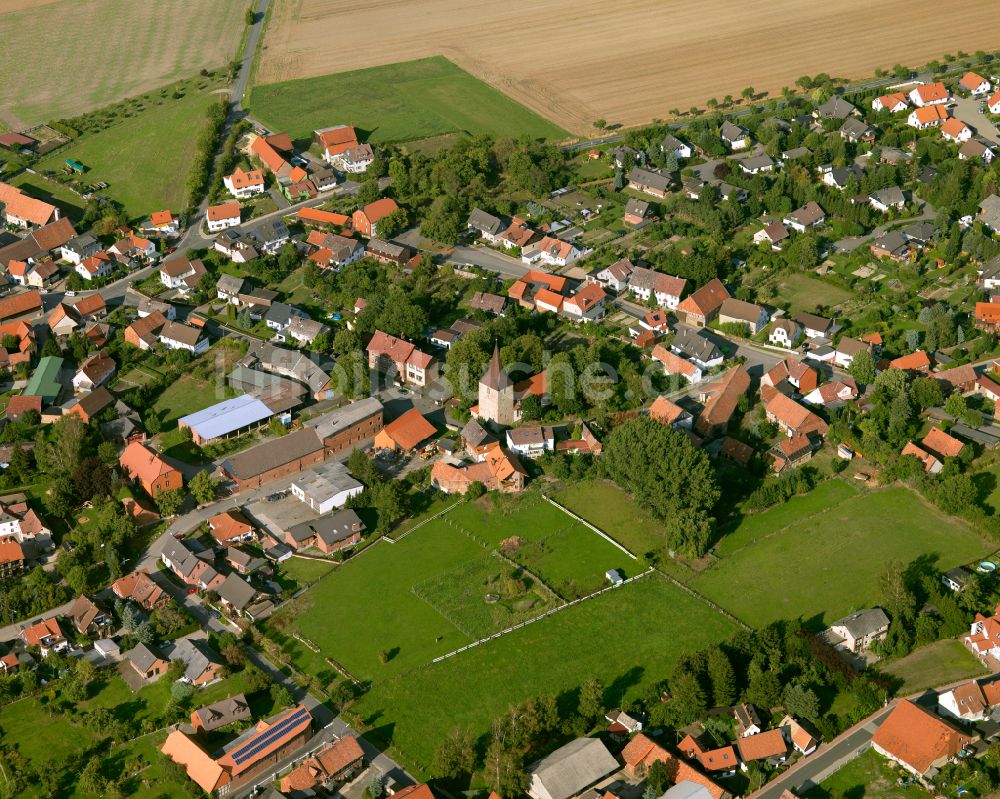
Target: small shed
[614, 577]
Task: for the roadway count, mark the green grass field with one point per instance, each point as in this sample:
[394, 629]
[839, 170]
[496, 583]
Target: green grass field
[650, 623]
[184, 396]
[869, 776]
[144, 159]
[573, 561]
[458, 596]
[786, 565]
[805, 293]
[397, 102]
[612, 510]
[940, 663]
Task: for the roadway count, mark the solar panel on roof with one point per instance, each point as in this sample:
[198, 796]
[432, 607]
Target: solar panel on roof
[268, 737]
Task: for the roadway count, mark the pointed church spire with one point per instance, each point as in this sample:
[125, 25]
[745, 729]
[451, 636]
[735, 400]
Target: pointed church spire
[495, 376]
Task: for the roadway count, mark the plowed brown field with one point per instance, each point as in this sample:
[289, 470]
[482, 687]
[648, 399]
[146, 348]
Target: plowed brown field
[626, 61]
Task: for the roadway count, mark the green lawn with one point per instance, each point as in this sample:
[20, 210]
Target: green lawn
[805, 293]
[185, 396]
[494, 519]
[397, 102]
[867, 777]
[628, 638]
[144, 159]
[822, 567]
[612, 510]
[940, 663]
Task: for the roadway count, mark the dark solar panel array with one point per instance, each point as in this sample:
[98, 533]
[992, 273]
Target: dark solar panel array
[255, 746]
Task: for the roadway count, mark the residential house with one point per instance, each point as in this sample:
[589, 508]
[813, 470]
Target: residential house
[140, 588]
[931, 464]
[774, 234]
[993, 103]
[697, 347]
[488, 303]
[928, 117]
[669, 413]
[955, 130]
[801, 739]
[784, 333]
[365, 220]
[734, 311]
[857, 632]
[220, 217]
[387, 353]
[886, 199]
[88, 619]
[928, 94]
[45, 634]
[231, 527]
[497, 469]
[331, 765]
[735, 137]
[916, 362]
[94, 267]
[702, 307]
[942, 445]
[720, 401]
[79, 247]
[856, 131]
[388, 252]
[144, 332]
[792, 418]
[645, 283]
[642, 751]
[201, 665]
[179, 336]
[12, 558]
[798, 375]
[769, 745]
[840, 177]
[587, 305]
[720, 762]
[63, 320]
[976, 150]
[893, 245]
[676, 365]
[231, 710]
[756, 164]
[816, 327]
[808, 216]
[236, 595]
[551, 251]
[989, 213]
[969, 702]
[149, 469]
[181, 273]
[615, 276]
[146, 663]
[164, 223]
[671, 144]
[570, 769]
[636, 212]
[835, 108]
[974, 84]
[244, 184]
[917, 739]
[95, 371]
[893, 103]
[531, 441]
[833, 394]
[846, 349]
[329, 533]
[650, 182]
[747, 720]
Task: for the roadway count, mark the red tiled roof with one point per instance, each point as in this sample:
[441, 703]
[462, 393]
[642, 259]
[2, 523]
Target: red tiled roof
[230, 210]
[918, 738]
[762, 745]
[706, 299]
[324, 217]
[408, 430]
[228, 525]
[942, 444]
[915, 361]
[21, 205]
[20, 304]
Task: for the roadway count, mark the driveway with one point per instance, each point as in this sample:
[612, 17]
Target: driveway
[967, 109]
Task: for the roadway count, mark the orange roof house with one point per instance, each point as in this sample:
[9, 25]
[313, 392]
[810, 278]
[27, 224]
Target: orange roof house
[23, 210]
[499, 470]
[916, 739]
[140, 588]
[161, 218]
[336, 140]
[201, 768]
[762, 746]
[720, 400]
[642, 751]
[548, 300]
[223, 212]
[955, 129]
[930, 463]
[270, 157]
[20, 403]
[928, 93]
[676, 365]
[942, 444]
[928, 115]
[20, 305]
[365, 220]
[406, 432]
[988, 316]
[667, 412]
[149, 469]
[914, 362]
[792, 418]
[702, 306]
[321, 217]
[230, 526]
[332, 763]
[721, 759]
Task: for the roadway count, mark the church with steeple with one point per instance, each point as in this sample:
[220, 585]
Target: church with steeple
[496, 394]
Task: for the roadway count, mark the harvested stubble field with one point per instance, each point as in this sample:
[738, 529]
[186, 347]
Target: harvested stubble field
[626, 61]
[63, 57]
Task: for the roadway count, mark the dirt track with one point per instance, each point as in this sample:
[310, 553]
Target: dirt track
[627, 61]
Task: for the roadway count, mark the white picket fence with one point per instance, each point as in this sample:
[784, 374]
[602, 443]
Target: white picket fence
[584, 522]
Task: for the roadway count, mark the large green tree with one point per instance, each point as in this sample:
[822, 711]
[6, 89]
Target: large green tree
[664, 472]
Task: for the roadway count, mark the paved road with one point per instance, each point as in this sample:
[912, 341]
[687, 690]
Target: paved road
[485, 258]
[969, 111]
[827, 758]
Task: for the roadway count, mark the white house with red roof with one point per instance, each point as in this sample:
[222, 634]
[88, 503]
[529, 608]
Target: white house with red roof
[927, 117]
[955, 130]
[983, 639]
[974, 84]
[242, 184]
[46, 635]
[220, 217]
[993, 103]
[893, 103]
[930, 94]
[676, 365]
[587, 305]
[551, 251]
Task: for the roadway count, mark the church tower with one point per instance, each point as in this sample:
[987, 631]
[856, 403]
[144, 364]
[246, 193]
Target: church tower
[496, 393]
